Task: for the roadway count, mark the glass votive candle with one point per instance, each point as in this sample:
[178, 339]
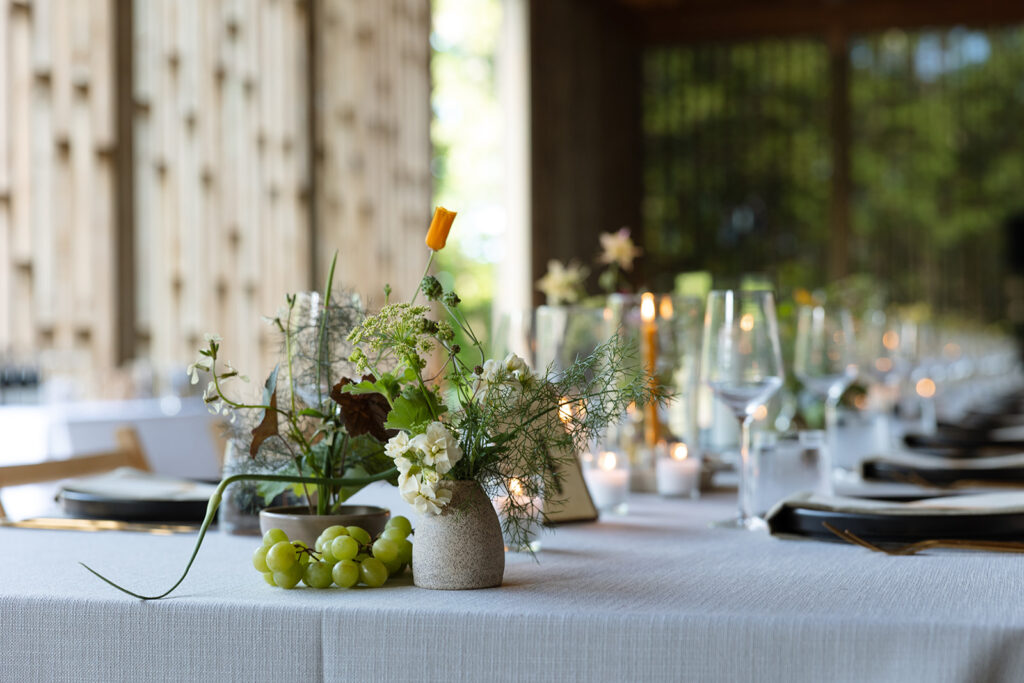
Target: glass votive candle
[520, 500]
[678, 472]
[607, 479]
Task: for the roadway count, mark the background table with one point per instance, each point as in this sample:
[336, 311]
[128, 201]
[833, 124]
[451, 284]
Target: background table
[655, 595]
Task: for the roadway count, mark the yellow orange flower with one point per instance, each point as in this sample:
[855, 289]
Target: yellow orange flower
[437, 235]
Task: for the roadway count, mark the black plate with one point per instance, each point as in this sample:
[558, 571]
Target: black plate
[87, 505]
[878, 470]
[889, 528]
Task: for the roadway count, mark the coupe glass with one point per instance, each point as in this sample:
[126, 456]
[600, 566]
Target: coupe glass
[825, 359]
[741, 362]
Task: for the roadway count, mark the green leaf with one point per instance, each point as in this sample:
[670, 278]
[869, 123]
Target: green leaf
[413, 409]
[312, 412]
[364, 387]
[269, 490]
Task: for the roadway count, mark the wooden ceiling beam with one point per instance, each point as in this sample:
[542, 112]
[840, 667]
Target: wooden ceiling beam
[730, 21]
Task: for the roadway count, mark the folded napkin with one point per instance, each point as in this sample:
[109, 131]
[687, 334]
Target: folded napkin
[127, 483]
[972, 504]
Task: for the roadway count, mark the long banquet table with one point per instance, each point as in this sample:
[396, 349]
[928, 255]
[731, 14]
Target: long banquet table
[652, 596]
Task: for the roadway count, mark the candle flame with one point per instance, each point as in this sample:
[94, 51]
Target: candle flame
[665, 309]
[515, 487]
[747, 322]
[761, 412]
[607, 461]
[680, 451]
[925, 388]
[647, 307]
[565, 411]
[607, 314]
[891, 340]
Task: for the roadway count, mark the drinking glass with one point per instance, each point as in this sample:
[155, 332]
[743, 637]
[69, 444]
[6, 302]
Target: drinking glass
[825, 359]
[742, 363]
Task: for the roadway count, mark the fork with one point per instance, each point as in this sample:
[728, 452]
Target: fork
[918, 546]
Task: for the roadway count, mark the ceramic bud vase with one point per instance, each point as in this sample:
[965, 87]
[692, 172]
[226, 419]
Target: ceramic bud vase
[461, 548]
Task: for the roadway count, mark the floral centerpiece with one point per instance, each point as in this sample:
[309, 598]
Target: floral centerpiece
[425, 412]
[493, 421]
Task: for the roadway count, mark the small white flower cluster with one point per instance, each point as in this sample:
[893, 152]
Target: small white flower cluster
[421, 462]
[510, 371]
[562, 283]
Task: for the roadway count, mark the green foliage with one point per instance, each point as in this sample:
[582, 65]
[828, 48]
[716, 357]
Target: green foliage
[739, 162]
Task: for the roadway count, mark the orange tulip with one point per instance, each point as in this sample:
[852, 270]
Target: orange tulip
[439, 227]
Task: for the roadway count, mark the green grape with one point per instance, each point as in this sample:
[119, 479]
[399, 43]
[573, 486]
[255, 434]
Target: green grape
[328, 535]
[401, 523]
[394, 534]
[344, 548]
[359, 534]
[361, 556]
[372, 572]
[345, 573]
[281, 556]
[317, 575]
[405, 551]
[274, 536]
[269, 578]
[288, 578]
[300, 554]
[259, 559]
[385, 550]
[394, 567]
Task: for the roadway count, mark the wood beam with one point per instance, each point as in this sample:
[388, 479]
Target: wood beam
[753, 19]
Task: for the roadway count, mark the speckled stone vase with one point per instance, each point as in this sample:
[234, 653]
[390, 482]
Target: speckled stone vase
[461, 548]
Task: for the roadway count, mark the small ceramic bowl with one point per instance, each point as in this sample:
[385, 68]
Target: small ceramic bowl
[302, 526]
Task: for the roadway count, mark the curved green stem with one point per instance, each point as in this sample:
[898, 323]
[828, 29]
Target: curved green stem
[211, 510]
[430, 260]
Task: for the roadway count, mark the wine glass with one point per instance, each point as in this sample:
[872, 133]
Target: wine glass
[825, 360]
[741, 362]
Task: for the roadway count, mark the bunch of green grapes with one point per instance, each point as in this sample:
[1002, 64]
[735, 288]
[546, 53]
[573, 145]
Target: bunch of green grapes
[342, 556]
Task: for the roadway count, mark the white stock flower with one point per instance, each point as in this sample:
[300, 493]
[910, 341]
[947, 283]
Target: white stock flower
[444, 449]
[562, 284]
[425, 506]
[517, 367]
[617, 247]
[492, 371]
[408, 485]
[419, 444]
[397, 445]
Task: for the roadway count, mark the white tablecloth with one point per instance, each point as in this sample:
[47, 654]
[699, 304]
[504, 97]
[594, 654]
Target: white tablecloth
[653, 596]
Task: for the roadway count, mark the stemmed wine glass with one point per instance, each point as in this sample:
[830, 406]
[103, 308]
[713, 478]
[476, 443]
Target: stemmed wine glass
[825, 359]
[741, 362]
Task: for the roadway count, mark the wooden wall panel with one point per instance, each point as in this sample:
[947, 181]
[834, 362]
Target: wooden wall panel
[57, 185]
[227, 210]
[372, 103]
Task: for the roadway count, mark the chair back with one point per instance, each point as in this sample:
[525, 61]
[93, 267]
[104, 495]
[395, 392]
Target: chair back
[129, 453]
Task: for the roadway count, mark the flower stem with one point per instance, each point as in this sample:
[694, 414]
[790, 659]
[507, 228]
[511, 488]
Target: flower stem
[426, 270]
[211, 510]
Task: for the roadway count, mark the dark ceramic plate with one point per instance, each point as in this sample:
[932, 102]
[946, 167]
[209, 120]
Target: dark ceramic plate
[91, 506]
[879, 470]
[890, 528]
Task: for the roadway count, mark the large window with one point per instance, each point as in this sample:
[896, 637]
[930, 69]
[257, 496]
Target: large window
[741, 147]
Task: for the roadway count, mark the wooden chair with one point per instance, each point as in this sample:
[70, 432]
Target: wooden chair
[129, 453]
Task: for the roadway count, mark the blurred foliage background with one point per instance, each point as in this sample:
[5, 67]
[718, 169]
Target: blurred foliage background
[738, 162]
